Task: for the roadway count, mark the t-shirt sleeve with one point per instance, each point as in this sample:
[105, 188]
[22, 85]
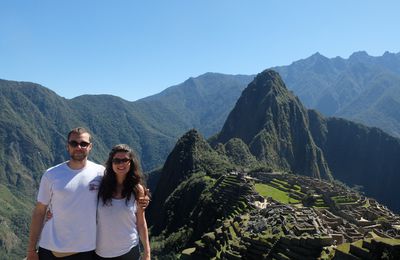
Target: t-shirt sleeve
[101, 171]
[44, 194]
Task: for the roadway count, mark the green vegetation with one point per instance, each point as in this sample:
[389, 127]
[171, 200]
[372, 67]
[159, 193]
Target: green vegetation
[15, 213]
[342, 200]
[238, 153]
[266, 190]
[167, 245]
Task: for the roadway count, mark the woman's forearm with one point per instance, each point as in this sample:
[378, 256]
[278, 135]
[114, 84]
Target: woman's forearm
[143, 233]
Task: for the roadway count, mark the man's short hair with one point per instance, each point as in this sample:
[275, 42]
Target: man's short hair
[79, 131]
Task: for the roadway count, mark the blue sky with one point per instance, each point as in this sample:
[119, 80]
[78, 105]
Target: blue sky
[133, 49]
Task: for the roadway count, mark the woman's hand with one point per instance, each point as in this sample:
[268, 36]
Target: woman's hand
[146, 256]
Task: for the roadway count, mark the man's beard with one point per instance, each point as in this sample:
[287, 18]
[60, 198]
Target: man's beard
[79, 156]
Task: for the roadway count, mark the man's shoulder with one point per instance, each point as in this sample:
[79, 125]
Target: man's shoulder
[55, 171]
[57, 167]
[95, 166]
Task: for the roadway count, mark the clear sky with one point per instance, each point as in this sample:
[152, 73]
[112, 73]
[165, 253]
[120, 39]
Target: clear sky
[133, 49]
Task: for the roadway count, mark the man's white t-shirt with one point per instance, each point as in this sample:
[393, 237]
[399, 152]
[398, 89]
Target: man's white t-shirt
[71, 195]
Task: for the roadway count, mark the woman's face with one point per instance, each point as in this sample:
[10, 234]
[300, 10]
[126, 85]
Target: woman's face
[121, 163]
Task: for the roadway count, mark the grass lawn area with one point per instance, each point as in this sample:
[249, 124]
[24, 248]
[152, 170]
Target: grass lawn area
[266, 190]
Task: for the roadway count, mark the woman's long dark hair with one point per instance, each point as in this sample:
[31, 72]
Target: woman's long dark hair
[134, 177]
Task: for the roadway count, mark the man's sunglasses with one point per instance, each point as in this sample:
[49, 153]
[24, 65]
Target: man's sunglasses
[82, 144]
[119, 161]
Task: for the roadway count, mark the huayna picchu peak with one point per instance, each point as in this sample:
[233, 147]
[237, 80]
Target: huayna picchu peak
[274, 124]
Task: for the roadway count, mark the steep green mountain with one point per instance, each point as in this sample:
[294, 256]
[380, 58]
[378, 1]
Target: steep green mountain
[361, 88]
[360, 155]
[274, 124]
[192, 154]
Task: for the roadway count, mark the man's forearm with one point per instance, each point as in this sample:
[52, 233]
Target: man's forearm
[36, 226]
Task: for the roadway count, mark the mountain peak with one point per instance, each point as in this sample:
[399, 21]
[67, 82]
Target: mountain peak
[315, 61]
[359, 55]
[269, 74]
[265, 82]
[274, 125]
[191, 154]
[253, 108]
[317, 55]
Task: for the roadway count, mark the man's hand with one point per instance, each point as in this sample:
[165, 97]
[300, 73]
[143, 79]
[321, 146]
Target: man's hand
[144, 201]
[32, 255]
[49, 215]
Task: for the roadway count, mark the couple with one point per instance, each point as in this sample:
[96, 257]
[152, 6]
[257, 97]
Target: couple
[78, 194]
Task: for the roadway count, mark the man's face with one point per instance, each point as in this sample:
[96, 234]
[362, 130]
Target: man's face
[79, 146]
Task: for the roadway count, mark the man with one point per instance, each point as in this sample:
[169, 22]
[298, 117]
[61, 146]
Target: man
[69, 192]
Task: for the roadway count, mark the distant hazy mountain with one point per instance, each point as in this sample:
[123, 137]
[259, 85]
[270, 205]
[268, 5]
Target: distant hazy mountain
[361, 88]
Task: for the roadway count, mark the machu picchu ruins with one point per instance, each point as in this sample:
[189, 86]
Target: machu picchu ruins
[298, 218]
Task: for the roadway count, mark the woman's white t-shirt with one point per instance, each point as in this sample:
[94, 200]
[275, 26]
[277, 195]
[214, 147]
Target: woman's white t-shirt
[117, 230]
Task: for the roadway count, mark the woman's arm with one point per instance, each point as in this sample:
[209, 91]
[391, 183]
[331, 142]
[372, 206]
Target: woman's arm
[142, 226]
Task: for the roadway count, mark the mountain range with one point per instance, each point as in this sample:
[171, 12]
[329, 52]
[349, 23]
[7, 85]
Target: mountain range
[361, 88]
[34, 121]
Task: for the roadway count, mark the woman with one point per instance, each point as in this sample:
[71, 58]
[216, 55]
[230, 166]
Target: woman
[120, 221]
